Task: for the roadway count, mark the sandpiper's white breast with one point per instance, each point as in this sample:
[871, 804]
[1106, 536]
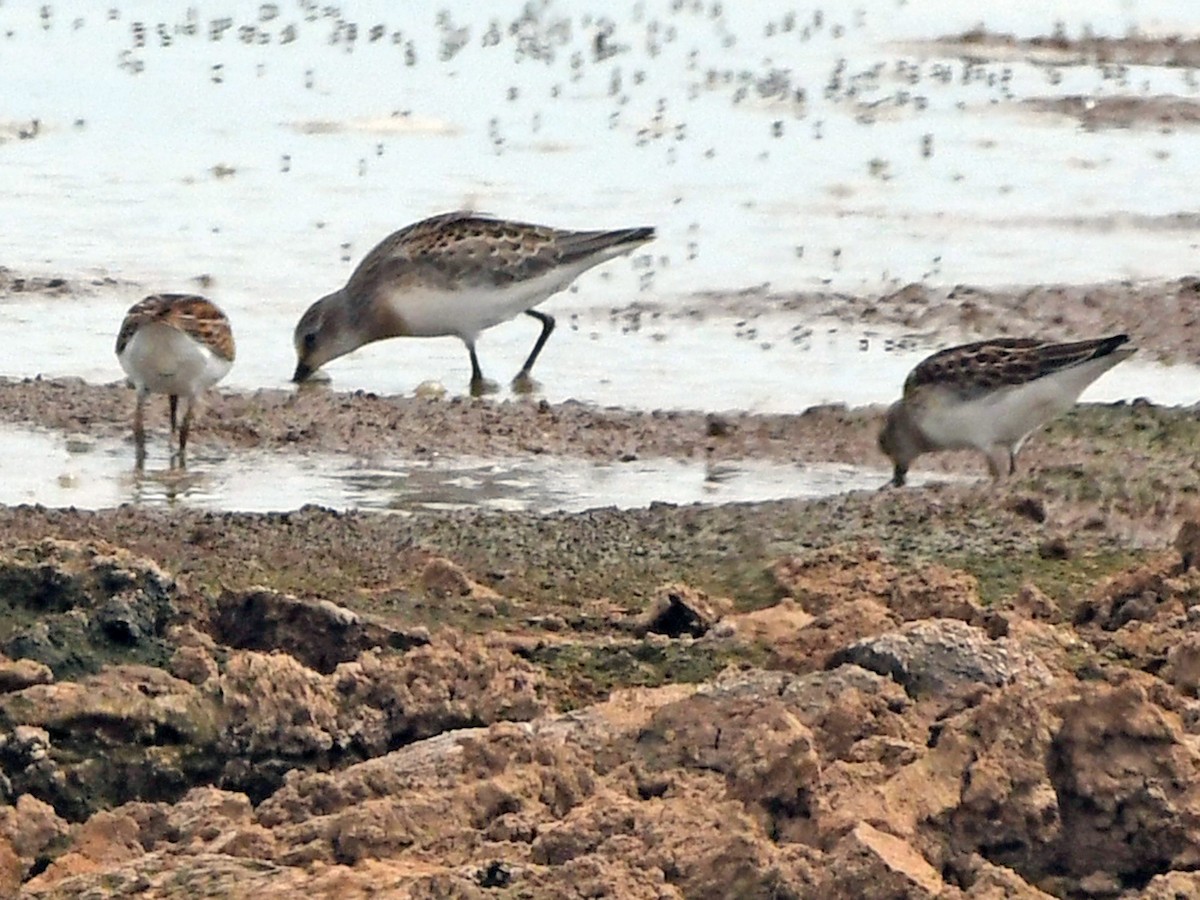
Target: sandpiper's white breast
[471, 309]
[164, 360]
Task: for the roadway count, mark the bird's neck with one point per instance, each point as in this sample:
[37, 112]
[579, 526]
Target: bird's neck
[378, 318]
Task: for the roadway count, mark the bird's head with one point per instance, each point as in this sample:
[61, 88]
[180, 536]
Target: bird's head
[323, 333]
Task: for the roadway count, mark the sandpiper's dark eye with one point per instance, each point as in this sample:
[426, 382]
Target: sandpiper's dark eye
[310, 340]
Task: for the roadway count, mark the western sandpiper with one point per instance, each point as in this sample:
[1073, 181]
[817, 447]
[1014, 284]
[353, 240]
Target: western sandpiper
[455, 274]
[990, 396]
[174, 344]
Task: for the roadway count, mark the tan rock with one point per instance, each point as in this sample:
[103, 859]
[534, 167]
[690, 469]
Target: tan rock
[810, 648]
[443, 578]
[765, 752]
[1172, 886]
[187, 635]
[1128, 782]
[1183, 664]
[104, 841]
[998, 752]
[142, 699]
[772, 628]
[272, 703]
[318, 633]
[1187, 542]
[992, 882]
[18, 674]
[872, 863]
[203, 815]
[1156, 591]
[1032, 602]
[924, 790]
[12, 870]
[193, 664]
[31, 827]
[205, 820]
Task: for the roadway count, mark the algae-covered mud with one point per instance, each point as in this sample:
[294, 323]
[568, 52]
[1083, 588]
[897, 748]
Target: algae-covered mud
[653, 631]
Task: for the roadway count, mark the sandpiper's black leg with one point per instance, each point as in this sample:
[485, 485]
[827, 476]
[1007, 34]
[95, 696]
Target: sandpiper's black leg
[522, 383]
[547, 327]
[184, 430]
[1012, 462]
[174, 401]
[139, 430]
[996, 458]
[476, 372]
[479, 384]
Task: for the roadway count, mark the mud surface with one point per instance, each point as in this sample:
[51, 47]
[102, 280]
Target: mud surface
[1162, 317]
[318, 419]
[1164, 113]
[1182, 51]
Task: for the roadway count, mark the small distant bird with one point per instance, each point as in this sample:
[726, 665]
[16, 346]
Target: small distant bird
[457, 274]
[990, 396]
[174, 344]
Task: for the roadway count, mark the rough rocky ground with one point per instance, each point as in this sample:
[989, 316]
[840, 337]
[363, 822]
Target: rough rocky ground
[869, 722]
[966, 690]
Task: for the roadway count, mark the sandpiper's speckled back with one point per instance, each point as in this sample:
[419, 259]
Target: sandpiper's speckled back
[465, 249]
[983, 366]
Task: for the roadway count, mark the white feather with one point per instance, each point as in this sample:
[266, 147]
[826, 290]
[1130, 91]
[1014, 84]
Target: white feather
[160, 359]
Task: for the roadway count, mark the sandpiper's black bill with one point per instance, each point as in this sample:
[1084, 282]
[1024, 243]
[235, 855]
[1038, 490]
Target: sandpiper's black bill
[302, 373]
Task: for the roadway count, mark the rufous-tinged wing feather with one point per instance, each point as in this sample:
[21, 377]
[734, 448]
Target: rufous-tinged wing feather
[189, 313]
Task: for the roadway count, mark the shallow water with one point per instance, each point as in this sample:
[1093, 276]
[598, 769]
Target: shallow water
[57, 470]
[266, 147]
[771, 364]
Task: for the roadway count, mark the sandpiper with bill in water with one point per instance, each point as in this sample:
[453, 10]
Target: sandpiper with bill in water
[990, 396]
[455, 274]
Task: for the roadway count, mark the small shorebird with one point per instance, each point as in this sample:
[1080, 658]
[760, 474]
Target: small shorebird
[457, 274]
[990, 396]
[174, 344]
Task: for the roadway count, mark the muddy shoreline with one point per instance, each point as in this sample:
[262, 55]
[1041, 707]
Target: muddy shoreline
[1161, 318]
[456, 702]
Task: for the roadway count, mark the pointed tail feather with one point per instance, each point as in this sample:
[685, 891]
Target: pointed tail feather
[1109, 344]
[580, 244]
[1053, 357]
